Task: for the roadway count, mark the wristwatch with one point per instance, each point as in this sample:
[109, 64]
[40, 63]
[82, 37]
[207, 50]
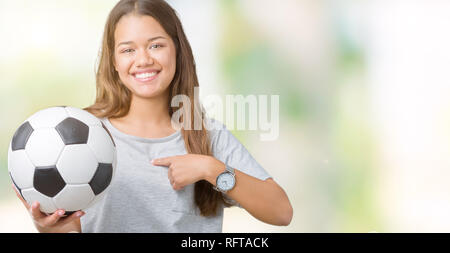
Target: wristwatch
[226, 180]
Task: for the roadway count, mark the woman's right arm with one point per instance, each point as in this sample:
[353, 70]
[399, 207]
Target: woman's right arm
[54, 223]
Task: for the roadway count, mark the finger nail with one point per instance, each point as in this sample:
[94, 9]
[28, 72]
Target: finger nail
[60, 212]
[79, 214]
[35, 204]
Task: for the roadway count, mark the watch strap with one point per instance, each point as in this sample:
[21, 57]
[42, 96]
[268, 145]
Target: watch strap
[229, 169]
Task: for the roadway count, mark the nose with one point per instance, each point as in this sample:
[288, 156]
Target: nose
[144, 58]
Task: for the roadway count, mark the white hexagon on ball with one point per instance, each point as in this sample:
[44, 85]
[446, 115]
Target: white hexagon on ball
[48, 118]
[77, 164]
[74, 197]
[46, 203]
[44, 147]
[21, 169]
[101, 144]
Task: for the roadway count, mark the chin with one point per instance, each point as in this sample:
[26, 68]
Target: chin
[147, 93]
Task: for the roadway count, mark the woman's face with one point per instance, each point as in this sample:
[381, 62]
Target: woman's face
[145, 55]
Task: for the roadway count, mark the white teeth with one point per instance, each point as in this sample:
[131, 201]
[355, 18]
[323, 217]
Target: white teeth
[145, 75]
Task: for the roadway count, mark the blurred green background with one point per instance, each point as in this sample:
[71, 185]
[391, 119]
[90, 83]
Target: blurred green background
[364, 98]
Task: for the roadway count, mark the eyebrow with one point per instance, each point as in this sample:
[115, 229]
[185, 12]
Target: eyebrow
[131, 42]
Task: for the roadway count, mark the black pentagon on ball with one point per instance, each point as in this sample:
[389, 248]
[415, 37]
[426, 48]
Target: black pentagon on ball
[101, 178]
[73, 131]
[21, 136]
[48, 181]
[110, 136]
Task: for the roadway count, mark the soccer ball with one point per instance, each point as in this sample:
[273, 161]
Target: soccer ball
[62, 157]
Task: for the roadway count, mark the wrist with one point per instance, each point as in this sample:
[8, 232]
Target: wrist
[214, 169]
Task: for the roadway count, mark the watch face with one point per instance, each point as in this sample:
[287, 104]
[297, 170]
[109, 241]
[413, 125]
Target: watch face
[225, 182]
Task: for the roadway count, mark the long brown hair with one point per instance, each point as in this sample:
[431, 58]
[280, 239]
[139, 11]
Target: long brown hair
[113, 98]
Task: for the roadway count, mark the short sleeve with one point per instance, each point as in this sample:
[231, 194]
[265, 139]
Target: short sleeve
[227, 148]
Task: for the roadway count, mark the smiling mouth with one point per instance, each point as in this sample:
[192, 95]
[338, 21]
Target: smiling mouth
[146, 77]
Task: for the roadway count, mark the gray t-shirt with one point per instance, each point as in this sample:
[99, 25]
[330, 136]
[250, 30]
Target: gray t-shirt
[140, 197]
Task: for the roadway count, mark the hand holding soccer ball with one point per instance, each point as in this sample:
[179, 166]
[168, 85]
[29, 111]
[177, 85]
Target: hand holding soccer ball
[54, 223]
[63, 158]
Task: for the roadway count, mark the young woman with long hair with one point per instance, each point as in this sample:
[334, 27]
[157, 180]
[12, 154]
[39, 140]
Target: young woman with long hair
[168, 178]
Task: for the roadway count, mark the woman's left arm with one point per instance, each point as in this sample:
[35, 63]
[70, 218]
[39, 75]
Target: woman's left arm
[264, 200]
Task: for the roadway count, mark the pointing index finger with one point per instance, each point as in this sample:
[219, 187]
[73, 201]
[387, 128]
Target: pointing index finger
[162, 161]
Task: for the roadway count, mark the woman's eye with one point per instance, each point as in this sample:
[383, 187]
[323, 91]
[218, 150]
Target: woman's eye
[127, 51]
[156, 46]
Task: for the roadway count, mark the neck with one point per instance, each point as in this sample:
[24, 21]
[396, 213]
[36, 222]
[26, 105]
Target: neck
[145, 112]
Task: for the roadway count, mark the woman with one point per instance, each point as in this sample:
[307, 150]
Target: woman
[170, 176]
